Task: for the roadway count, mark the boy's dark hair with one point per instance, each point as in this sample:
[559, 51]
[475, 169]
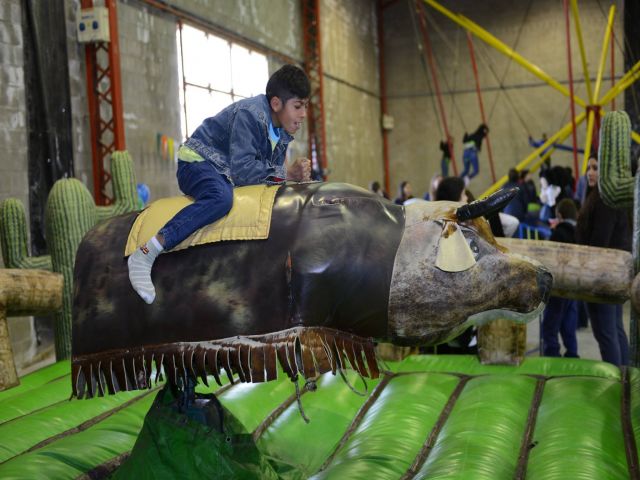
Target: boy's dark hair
[514, 176]
[450, 188]
[288, 82]
[567, 209]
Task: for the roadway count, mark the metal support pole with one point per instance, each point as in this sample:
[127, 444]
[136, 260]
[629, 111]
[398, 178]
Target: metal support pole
[313, 63]
[383, 95]
[574, 137]
[104, 96]
[479, 93]
[613, 67]
[558, 137]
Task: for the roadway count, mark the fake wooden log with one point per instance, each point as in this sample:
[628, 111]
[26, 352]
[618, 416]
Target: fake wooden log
[23, 292]
[502, 342]
[580, 272]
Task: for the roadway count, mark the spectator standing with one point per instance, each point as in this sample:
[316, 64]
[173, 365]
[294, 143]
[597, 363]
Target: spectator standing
[602, 226]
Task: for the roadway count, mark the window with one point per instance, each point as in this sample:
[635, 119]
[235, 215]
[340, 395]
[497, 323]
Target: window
[214, 73]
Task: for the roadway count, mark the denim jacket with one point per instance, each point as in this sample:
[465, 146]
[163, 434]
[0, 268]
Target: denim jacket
[236, 141]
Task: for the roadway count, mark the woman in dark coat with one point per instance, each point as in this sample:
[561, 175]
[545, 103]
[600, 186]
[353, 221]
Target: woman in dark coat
[602, 226]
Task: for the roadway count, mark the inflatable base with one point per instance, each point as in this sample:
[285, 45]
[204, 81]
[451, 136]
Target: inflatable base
[426, 417]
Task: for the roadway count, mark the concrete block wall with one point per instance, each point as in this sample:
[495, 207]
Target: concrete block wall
[149, 69]
[351, 91]
[536, 30]
[13, 138]
[13, 112]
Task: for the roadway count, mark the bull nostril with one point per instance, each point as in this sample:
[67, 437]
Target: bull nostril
[545, 281]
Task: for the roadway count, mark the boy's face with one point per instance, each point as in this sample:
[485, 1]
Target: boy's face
[289, 115]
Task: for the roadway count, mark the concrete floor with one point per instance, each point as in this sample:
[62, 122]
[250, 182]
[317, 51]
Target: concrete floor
[587, 345]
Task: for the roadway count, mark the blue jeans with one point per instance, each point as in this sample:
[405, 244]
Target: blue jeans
[470, 161]
[606, 323]
[444, 165]
[213, 197]
[560, 316]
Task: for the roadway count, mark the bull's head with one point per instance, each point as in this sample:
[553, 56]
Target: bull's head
[450, 272]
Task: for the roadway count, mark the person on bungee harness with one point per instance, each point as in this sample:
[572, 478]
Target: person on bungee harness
[472, 144]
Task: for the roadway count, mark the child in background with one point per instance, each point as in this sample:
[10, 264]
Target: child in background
[405, 192]
[446, 157]
[561, 314]
[472, 145]
[244, 144]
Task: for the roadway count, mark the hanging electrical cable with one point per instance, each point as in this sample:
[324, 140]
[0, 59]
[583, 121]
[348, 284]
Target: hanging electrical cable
[487, 62]
[510, 61]
[572, 103]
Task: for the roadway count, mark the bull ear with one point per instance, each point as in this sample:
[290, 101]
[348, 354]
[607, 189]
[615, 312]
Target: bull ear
[454, 253]
[486, 206]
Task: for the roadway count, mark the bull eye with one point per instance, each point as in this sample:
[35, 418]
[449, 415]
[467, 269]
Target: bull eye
[474, 247]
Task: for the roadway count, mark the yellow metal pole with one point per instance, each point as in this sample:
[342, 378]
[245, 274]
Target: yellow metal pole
[559, 136]
[585, 70]
[587, 145]
[632, 72]
[534, 168]
[622, 84]
[635, 137]
[603, 54]
[486, 37]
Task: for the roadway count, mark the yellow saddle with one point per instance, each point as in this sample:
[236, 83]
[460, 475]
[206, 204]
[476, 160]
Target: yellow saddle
[249, 219]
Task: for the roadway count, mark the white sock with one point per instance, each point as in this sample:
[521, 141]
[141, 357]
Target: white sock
[140, 263]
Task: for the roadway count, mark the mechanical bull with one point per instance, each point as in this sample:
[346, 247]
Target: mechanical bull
[341, 268]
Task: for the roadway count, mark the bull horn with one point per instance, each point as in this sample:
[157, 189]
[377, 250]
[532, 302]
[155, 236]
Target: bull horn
[487, 205]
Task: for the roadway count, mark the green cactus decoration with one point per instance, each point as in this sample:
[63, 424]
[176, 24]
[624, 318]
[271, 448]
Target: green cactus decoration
[14, 240]
[125, 192]
[70, 213]
[616, 182]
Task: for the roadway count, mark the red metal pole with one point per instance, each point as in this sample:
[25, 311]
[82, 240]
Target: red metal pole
[313, 63]
[323, 135]
[115, 79]
[595, 138]
[572, 102]
[104, 96]
[484, 120]
[383, 95]
[436, 86]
